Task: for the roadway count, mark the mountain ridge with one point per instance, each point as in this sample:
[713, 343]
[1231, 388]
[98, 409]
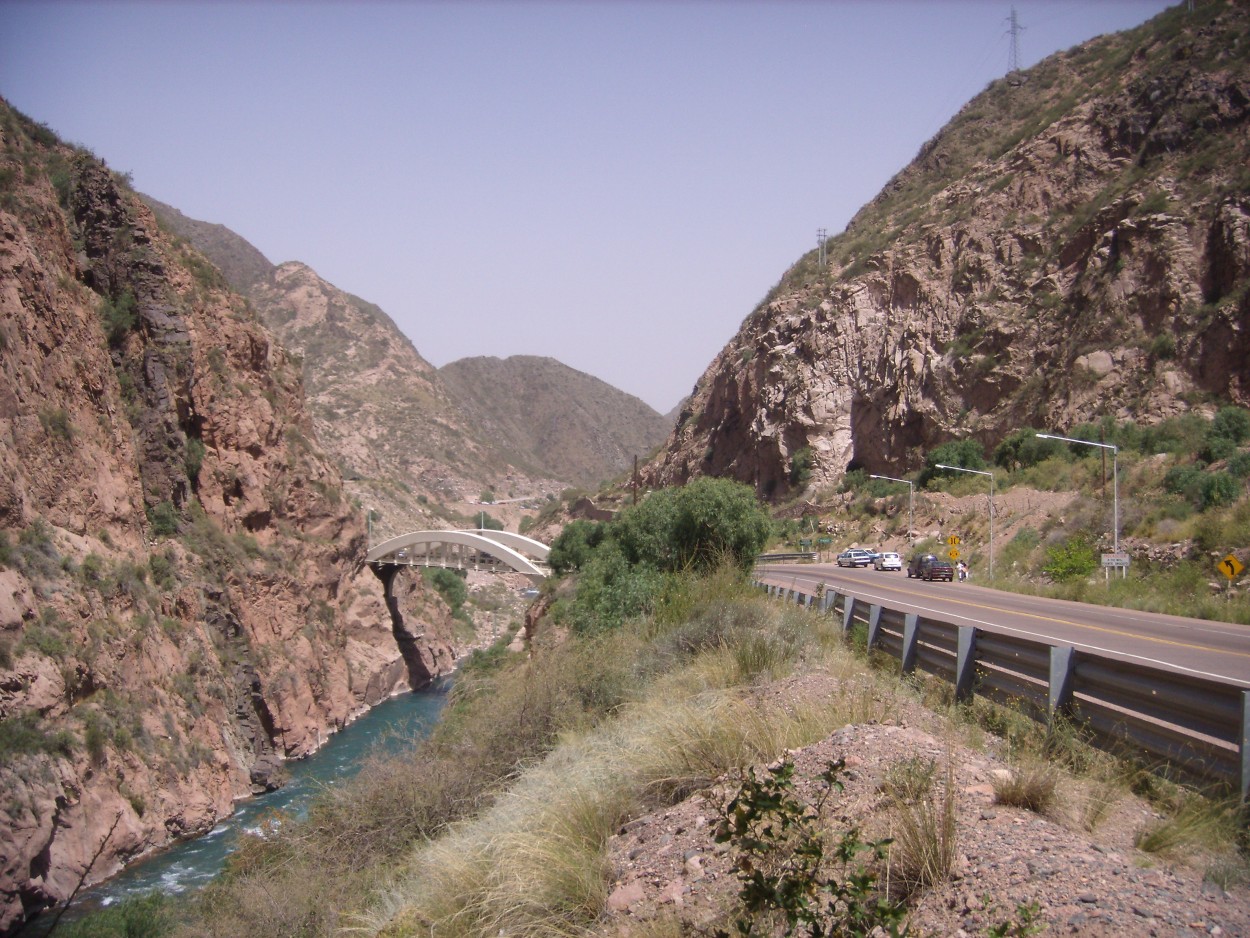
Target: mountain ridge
[1075, 243]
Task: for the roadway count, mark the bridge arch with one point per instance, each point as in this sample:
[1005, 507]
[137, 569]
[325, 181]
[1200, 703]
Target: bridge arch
[462, 550]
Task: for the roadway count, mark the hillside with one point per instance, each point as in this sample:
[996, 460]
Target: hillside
[1074, 244]
[561, 419]
[415, 443]
[181, 607]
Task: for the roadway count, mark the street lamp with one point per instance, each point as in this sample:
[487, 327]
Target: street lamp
[911, 488]
[1115, 479]
[991, 475]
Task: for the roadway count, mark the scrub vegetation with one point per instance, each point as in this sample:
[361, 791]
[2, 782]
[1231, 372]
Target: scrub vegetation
[1184, 499]
[499, 822]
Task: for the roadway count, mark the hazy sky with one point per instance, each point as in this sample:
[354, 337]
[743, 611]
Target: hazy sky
[614, 184]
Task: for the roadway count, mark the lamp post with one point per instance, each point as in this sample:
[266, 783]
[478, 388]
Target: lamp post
[911, 488]
[1115, 480]
[991, 475]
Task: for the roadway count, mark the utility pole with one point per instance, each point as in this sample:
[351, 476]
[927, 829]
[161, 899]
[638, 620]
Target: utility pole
[1014, 29]
[820, 246]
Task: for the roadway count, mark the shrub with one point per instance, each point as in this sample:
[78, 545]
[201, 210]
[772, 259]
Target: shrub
[194, 458]
[118, 316]
[695, 526]
[1219, 488]
[1070, 560]
[1231, 423]
[1238, 467]
[164, 519]
[1023, 448]
[966, 454]
[449, 585]
[25, 733]
[801, 467]
[788, 868]
[575, 545]
[56, 422]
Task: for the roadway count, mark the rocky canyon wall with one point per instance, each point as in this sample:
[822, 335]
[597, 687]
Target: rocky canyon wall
[1074, 244]
[181, 606]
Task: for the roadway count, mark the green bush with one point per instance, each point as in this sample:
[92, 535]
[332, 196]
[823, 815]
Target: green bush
[789, 866]
[1071, 560]
[1023, 449]
[966, 454]
[1231, 423]
[194, 458]
[149, 916]
[164, 519]
[119, 316]
[575, 545]
[449, 584]
[801, 467]
[695, 526]
[1238, 468]
[1219, 488]
[25, 733]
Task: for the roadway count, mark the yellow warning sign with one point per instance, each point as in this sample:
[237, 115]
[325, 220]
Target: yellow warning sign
[953, 553]
[1231, 567]
[954, 540]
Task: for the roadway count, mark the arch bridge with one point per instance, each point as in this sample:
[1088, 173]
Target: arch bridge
[463, 550]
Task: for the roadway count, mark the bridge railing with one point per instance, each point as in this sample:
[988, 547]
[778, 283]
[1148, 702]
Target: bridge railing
[1191, 727]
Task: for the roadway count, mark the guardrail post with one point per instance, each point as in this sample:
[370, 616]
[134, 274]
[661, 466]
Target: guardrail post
[1245, 744]
[911, 633]
[965, 662]
[1062, 665]
[807, 600]
[831, 596]
[874, 626]
[848, 613]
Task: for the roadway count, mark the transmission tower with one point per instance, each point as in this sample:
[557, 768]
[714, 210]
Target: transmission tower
[1014, 29]
[820, 245]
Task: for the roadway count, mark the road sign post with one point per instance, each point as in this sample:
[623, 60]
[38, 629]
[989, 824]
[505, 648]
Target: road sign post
[1115, 560]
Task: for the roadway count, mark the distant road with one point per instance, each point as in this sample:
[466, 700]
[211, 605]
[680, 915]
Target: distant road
[1219, 650]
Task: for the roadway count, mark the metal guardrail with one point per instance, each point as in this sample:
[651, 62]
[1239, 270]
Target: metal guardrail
[1194, 727]
[796, 555]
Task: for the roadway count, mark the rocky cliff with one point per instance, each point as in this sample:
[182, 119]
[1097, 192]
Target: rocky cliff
[180, 603]
[1075, 243]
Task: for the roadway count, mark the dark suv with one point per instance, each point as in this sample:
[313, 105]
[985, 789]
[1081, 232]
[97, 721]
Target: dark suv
[930, 567]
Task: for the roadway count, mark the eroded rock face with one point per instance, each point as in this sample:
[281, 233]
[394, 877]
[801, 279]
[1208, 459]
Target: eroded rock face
[181, 608]
[1076, 243]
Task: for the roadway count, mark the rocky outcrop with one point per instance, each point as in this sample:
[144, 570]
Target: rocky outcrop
[180, 604]
[1073, 244]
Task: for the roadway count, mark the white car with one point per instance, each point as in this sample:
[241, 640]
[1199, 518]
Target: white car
[854, 558]
[888, 560]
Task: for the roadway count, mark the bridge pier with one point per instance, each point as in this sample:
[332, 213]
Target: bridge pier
[408, 637]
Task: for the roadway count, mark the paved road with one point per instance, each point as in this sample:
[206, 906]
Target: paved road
[1219, 650]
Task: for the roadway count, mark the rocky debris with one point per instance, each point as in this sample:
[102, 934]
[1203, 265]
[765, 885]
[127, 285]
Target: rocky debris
[1088, 883]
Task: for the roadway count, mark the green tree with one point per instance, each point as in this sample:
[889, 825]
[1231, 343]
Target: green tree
[801, 467]
[1023, 449]
[695, 526]
[575, 545]
[967, 454]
